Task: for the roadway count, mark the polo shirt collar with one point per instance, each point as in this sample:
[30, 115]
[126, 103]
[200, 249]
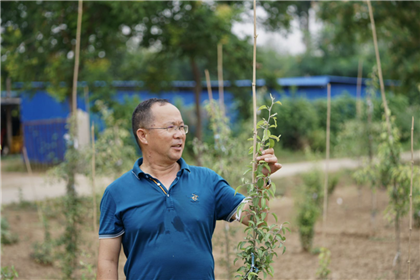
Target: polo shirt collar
[139, 172]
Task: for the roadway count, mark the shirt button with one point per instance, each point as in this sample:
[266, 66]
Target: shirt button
[158, 184]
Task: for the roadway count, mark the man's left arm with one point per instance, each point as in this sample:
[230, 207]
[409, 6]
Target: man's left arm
[269, 157]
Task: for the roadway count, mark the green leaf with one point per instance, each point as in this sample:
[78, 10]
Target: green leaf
[263, 107]
[278, 102]
[272, 143]
[275, 217]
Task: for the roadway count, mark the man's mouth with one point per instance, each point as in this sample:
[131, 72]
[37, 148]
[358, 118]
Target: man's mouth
[177, 146]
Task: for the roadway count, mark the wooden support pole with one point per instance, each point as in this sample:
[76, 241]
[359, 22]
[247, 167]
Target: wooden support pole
[209, 91]
[359, 90]
[220, 77]
[26, 160]
[327, 144]
[254, 94]
[93, 176]
[410, 228]
[76, 57]
[378, 62]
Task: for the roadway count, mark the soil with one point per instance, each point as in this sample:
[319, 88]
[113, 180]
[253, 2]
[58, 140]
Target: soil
[359, 250]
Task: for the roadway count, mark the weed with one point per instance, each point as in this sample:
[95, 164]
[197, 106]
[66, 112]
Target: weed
[324, 261]
[8, 273]
[7, 237]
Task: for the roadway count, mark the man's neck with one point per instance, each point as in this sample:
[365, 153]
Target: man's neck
[160, 170]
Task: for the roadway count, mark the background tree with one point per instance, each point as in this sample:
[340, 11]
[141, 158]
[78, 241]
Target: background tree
[38, 41]
[397, 31]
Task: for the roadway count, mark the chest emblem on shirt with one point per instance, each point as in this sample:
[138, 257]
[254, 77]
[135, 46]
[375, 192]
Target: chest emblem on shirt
[194, 197]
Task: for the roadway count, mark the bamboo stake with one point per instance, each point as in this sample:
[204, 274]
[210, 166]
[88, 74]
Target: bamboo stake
[206, 72]
[76, 60]
[26, 159]
[220, 77]
[93, 176]
[359, 90]
[381, 81]
[324, 217]
[411, 200]
[226, 231]
[87, 105]
[254, 95]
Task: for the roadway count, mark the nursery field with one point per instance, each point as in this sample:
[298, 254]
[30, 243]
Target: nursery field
[358, 249]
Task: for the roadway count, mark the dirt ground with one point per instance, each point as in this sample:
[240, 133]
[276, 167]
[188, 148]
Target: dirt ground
[357, 250]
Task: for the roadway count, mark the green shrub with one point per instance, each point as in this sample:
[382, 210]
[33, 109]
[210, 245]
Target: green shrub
[306, 219]
[42, 253]
[332, 183]
[297, 119]
[309, 207]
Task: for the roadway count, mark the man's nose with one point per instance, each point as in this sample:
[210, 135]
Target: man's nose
[178, 133]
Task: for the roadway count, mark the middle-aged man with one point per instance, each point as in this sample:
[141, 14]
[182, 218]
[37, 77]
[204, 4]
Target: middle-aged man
[164, 211]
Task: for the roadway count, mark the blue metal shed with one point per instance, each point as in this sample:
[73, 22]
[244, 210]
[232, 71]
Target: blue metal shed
[44, 118]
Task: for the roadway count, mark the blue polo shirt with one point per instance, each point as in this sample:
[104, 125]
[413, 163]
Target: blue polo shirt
[167, 234]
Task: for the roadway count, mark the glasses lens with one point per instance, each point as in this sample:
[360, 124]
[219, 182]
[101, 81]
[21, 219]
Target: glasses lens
[186, 129]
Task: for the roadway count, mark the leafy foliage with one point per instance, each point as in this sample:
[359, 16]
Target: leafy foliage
[396, 25]
[43, 253]
[258, 248]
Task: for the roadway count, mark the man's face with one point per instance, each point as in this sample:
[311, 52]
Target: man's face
[164, 145]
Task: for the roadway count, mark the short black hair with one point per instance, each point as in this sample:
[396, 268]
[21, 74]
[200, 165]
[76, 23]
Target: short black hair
[142, 116]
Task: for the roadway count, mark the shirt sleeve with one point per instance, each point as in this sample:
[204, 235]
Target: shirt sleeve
[110, 226]
[226, 200]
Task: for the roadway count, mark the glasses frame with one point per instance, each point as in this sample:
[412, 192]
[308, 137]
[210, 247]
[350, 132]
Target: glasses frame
[174, 127]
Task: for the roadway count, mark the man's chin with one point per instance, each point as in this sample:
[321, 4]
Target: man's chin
[176, 156]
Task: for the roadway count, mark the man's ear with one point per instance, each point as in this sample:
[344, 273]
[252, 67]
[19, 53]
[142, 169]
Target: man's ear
[141, 135]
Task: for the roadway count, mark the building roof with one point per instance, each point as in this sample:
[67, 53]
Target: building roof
[324, 81]
[312, 81]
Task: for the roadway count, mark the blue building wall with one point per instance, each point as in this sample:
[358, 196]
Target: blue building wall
[40, 111]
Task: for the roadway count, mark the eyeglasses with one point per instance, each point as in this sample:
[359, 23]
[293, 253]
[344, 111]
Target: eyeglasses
[172, 128]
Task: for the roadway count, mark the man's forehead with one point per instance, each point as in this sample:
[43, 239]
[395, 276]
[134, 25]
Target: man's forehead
[166, 113]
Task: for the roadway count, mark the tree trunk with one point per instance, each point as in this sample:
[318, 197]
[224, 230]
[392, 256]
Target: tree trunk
[9, 132]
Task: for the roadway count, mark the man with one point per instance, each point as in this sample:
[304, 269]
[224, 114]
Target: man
[164, 211]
